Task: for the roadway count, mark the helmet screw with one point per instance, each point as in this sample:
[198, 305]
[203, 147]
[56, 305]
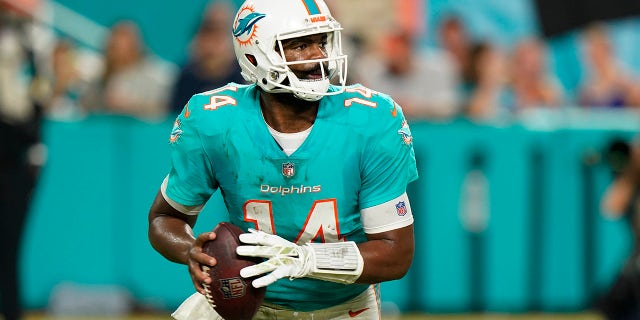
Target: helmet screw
[273, 75]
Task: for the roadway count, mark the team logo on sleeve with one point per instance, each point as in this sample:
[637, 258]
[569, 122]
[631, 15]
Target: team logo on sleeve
[401, 208]
[405, 132]
[288, 169]
[175, 132]
[244, 28]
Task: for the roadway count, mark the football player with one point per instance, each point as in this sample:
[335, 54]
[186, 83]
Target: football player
[621, 200]
[316, 171]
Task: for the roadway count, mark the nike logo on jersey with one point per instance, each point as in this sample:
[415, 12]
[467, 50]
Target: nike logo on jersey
[394, 112]
[187, 113]
[354, 314]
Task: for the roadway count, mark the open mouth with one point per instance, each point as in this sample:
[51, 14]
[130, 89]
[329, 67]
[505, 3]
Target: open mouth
[314, 74]
[314, 77]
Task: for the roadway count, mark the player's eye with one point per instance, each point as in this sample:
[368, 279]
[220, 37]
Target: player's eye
[293, 45]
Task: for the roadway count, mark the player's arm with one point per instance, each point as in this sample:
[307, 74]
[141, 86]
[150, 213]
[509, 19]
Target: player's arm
[170, 231]
[171, 234]
[188, 185]
[389, 165]
[387, 255]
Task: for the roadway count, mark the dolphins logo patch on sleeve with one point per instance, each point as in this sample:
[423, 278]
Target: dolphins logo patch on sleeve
[175, 132]
[405, 132]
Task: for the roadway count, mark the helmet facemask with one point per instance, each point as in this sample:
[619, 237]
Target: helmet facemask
[332, 67]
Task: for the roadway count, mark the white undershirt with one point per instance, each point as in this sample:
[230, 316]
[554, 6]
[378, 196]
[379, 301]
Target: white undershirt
[289, 142]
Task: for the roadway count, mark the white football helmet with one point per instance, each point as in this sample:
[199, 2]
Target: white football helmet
[258, 30]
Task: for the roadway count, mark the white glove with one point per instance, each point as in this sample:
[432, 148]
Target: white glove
[337, 262]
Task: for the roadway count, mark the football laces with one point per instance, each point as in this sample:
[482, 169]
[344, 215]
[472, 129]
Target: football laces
[207, 289]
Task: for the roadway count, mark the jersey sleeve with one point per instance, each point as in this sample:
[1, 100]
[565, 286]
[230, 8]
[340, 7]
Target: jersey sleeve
[190, 181]
[389, 159]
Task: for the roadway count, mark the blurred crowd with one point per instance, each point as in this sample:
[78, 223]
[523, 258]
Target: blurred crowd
[459, 76]
[479, 79]
[127, 79]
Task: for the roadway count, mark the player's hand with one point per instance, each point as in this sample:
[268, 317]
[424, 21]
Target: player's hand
[284, 258]
[199, 261]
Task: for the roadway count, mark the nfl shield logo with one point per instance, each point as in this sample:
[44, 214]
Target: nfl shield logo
[288, 170]
[401, 208]
[232, 288]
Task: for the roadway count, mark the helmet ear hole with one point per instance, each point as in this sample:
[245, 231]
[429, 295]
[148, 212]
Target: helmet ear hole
[252, 59]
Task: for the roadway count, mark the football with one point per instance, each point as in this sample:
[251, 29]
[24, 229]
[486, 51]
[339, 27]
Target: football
[233, 297]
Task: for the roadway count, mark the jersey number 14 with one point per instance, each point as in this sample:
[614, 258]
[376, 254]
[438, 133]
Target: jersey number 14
[321, 223]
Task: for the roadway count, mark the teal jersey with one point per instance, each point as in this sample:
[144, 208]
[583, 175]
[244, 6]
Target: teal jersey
[358, 154]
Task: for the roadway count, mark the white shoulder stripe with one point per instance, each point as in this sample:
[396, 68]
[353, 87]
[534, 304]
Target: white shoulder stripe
[391, 215]
[189, 210]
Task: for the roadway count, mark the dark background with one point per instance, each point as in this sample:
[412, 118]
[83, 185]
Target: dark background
[557, 17]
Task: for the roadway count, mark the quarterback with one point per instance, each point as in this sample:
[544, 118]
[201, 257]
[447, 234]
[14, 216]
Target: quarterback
[306, 164]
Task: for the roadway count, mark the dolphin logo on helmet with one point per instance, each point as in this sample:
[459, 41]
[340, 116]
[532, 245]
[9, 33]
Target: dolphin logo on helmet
[245, 25]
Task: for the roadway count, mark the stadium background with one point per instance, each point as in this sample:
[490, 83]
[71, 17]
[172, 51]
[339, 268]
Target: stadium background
[538, 242]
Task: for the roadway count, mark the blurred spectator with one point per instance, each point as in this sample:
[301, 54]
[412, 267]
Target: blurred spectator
[361, 35]
[424, 82]
[608, 83]
[485, 95]
[530, 82]
[453, 38]
[621, 200]
[361, 30]
[212, 62]
[133, 81]
[20, 147]
[65, 84]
